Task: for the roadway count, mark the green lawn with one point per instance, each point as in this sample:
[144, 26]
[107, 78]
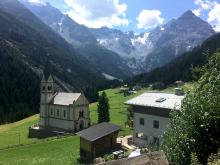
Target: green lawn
[15, 133]
[118, 111]
[54, 151]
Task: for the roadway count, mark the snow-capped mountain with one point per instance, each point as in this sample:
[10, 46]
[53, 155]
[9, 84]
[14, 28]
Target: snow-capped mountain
[146, 51]
[81, 38]
[135, 52]
[70, 30]
[176, 37]
[132, 47]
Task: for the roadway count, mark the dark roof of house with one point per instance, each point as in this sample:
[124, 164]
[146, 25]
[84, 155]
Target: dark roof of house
[152, 158]
[98, 131]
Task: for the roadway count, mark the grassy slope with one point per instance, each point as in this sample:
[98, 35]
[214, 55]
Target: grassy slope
[54, 152]
[57, 151]
[11, 134]
[118, 111]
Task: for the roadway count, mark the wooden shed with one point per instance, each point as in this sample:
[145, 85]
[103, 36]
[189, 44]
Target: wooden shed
[98, 140]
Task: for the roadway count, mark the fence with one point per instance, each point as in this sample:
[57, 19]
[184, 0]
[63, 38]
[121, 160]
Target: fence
[9, 140]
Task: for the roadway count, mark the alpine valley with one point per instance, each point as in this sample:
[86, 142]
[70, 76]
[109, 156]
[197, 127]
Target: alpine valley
[140, 52]
[38, 38]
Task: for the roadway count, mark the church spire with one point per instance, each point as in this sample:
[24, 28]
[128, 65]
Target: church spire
[50, 78]
[43, 79]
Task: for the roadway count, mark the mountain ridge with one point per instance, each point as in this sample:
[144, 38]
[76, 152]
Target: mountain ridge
[183, 67]
[80, 37]
[178, 36]
[139, 52]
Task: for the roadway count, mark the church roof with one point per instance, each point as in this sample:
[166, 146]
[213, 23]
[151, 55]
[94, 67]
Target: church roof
[62, 98]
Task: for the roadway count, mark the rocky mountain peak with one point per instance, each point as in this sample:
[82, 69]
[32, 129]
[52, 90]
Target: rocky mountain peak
[140, 52]
[188, 14]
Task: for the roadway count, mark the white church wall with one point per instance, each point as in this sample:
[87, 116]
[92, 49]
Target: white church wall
[63, 124]
[71, 117]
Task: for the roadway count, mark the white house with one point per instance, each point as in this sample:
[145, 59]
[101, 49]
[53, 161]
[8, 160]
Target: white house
[62, 111]
[151, 115]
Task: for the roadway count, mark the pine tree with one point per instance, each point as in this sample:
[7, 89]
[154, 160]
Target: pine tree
[103, 108]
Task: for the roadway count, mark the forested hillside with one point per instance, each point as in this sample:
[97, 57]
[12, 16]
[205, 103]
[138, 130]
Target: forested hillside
[19, 85]
[80, 37]
[28, 50]
[182, 67]
[44, 49]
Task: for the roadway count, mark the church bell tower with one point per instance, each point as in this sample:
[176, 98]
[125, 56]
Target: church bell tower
[47, 93]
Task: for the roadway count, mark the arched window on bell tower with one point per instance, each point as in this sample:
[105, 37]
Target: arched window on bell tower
[43, 88]
[49, 87]
[43, 84]
[50, 84]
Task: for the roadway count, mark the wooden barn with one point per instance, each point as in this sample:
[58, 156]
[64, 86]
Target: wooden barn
[98, 140]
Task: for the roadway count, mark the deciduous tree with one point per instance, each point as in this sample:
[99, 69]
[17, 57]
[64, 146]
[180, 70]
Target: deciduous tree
[195, 129]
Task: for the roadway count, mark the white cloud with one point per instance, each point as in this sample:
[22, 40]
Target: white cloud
[213, 9]
[203, 5]
[96, 13]
[214, 17]
[149, 19]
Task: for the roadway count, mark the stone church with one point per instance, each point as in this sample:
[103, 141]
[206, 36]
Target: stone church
[62, 111]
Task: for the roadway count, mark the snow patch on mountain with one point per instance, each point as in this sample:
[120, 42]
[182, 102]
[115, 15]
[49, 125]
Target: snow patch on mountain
[133, 48]
[140, 39]
[108, 77]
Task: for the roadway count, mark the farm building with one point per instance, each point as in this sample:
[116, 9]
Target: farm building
[151, 115]
[98, 139]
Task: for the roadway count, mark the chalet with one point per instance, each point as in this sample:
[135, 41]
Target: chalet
[151, 115]
[62, 111]
[96, 140]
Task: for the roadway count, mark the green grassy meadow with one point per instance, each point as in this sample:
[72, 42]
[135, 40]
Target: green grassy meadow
[56, 151]
[118, 111]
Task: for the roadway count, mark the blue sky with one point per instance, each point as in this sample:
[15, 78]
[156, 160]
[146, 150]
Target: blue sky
[136, 15]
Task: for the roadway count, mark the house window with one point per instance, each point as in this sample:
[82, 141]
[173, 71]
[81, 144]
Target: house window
[64, 113]
[156, 124]
[51, 112]
[43, 88]
[58, 112]
[141, 121]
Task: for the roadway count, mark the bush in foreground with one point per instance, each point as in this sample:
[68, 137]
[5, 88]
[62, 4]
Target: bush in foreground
[195, 129]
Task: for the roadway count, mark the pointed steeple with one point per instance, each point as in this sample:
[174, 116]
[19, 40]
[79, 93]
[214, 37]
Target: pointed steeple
[43, 79]
[50, 79]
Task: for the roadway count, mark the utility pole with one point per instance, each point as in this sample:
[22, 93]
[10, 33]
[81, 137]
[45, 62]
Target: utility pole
[19, 138]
